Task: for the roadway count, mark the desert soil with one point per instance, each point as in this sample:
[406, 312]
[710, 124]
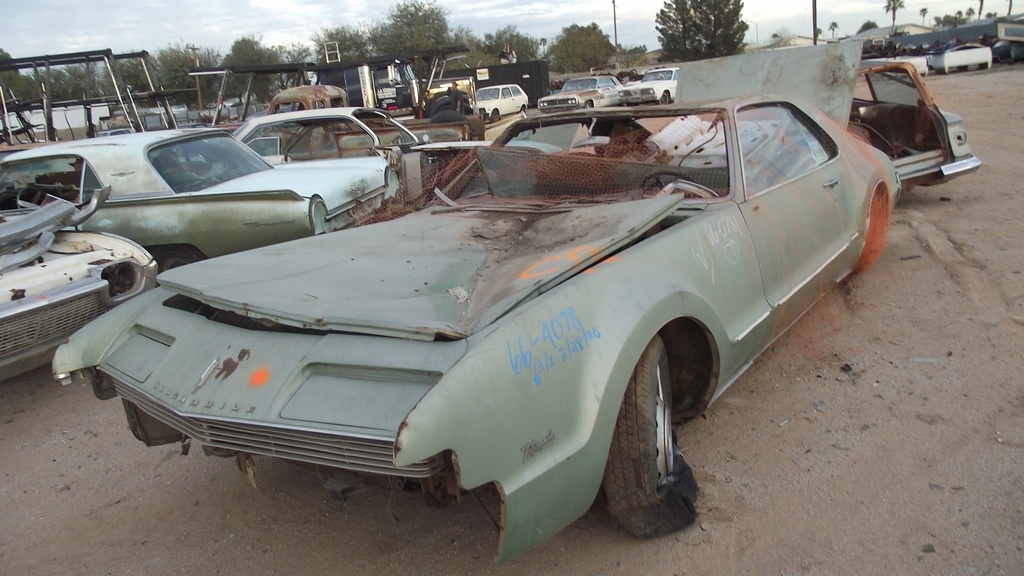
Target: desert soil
[884, 434]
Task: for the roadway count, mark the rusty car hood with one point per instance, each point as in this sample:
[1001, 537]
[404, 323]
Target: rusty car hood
[437, 273]
[823, 75]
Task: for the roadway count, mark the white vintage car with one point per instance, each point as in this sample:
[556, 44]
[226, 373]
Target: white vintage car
[590, 92]
[55, 281]
[186, 195]
[657, 86]
[493, 102]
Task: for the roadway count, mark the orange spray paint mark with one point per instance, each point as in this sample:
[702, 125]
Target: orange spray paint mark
[260, 377]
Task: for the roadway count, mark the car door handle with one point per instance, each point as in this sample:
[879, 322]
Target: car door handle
[830, 184]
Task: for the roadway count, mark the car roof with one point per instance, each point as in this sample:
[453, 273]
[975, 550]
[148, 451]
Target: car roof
[342, 112]
[136, 141]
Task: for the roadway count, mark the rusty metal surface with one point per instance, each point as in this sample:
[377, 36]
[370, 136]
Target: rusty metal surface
[470, 266]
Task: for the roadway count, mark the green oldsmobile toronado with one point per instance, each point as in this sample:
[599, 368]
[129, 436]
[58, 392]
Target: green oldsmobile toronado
[536, 316]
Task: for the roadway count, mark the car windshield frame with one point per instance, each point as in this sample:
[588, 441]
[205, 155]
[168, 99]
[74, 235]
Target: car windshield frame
[583, 160]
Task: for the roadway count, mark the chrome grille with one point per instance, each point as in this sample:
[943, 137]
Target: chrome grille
[373, 456]
[45, 323]
[563, 102]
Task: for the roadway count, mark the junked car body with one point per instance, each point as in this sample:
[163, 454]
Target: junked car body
[55, 281]
[895, 112]
[538, 318]
[339, 133]
[192, 194]
[960, 57]
[591, 92]
[892, 108]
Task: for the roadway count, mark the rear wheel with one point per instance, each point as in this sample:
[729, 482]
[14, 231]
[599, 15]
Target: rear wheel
[168, 257]
[876, 229]
[522, 109]
[649, 488]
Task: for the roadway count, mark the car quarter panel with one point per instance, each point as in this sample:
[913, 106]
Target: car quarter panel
[216, 224]
[544, 386]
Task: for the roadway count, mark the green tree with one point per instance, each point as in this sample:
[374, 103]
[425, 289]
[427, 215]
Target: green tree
[411, 25]
[700, 29]
[250, 50]
[832, 28]
[20, 85]
[892, 6]
[632, 57]
[172, 64]
[867, 25]
[923, 12]
[969, 13]
[526, 47]
[579, 48]
[352, 43]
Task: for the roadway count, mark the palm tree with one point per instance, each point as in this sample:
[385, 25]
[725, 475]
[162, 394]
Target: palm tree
[893, 6]
[969, 13]
[832, 28]
[981, 8]
[923, 12]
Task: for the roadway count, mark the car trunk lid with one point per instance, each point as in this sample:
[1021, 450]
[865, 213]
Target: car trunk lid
[823, 75]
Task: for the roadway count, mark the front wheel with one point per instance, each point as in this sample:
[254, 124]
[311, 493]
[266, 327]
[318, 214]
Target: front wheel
[666, 98]
[649, 488]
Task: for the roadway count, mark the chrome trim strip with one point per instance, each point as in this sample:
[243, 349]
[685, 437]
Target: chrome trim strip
[750, 328]
[961, 166]
[817, 271]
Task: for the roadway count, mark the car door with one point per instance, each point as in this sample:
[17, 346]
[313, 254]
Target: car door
[508, 105]
[792, 183]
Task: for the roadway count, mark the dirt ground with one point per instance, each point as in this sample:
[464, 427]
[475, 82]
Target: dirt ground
[908, 461]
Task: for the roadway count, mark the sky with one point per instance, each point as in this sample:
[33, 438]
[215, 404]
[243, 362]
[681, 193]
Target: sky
[62, 26]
